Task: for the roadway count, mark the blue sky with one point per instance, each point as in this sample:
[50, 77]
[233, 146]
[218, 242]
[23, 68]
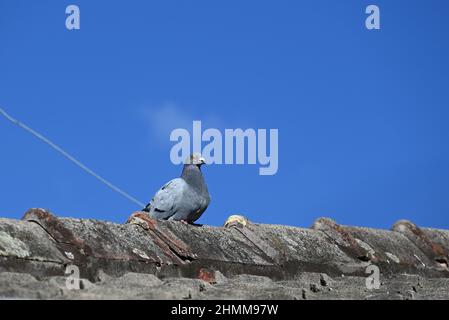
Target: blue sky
[362, 115]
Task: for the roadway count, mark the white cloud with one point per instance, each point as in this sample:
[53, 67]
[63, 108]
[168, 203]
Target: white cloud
[166, 117]
[163, 119]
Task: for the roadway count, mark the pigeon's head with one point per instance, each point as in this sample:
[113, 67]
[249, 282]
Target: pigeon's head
[196, 159]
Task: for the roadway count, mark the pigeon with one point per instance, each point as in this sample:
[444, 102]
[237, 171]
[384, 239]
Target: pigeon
[184, 198]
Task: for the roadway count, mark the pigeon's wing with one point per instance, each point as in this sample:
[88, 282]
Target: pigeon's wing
[164, 203]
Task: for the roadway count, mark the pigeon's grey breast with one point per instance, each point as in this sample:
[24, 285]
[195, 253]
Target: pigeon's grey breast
[194, 203]
[196, 196]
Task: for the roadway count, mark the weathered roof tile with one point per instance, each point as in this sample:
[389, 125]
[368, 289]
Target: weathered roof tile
[43, 245]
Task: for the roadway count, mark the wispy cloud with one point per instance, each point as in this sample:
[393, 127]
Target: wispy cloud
[164, 118]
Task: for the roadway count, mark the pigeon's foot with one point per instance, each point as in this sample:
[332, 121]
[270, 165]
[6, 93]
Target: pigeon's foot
[196, 224]
[191, 223]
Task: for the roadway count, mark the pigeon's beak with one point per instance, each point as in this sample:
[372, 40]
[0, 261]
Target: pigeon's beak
[202, 160]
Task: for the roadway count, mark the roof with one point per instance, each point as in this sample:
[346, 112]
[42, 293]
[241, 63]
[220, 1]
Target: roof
[146, 258]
